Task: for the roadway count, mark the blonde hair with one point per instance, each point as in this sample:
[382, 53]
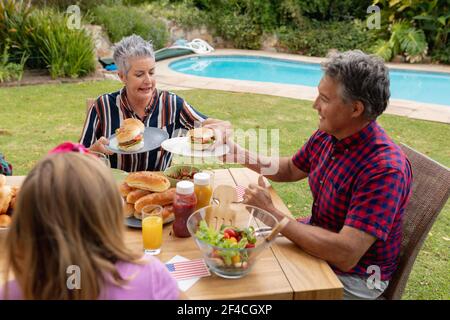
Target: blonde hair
[68, 212]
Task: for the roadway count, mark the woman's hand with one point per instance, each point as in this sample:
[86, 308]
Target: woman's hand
[99, 146]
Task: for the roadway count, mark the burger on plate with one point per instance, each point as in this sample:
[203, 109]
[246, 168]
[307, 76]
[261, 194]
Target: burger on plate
[130, 135]
[201, 138]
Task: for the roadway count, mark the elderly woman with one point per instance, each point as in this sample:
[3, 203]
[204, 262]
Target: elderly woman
[139, 98]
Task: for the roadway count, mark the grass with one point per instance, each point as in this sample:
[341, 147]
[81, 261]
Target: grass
[36, 118]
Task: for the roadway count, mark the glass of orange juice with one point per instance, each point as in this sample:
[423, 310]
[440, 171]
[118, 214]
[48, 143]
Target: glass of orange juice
[152, 226]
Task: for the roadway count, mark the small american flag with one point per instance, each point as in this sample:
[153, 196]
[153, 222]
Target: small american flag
[240, 190]
[184, 270]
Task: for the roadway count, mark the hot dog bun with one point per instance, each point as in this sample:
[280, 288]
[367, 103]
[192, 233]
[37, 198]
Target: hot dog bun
[5, 198]
[135, 195]
[125, 189]
[168, 215]
[5, 221]
[162, 198]
[128, 210]
[147, 180]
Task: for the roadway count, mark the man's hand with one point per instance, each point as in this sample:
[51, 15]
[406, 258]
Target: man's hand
[259, 196]
[222, 129]
[99, 146]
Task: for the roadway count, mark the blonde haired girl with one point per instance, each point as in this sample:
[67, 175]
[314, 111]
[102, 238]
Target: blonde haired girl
[69, 213]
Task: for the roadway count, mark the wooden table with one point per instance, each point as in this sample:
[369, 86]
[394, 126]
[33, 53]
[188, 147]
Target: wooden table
[282, 272]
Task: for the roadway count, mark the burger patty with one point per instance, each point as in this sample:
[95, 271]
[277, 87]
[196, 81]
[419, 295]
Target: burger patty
[131, 142]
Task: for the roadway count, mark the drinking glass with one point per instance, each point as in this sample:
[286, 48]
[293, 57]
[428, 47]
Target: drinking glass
[152, 226]
[102, 157]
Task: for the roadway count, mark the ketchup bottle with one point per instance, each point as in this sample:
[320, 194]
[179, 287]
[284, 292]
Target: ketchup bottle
[183, 206]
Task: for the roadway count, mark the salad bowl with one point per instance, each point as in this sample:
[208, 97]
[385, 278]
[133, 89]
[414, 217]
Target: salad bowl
[232, 251]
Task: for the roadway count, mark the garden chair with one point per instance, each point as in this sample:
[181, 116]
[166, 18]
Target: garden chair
[430, 191]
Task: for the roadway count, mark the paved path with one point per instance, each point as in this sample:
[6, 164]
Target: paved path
[169, 79]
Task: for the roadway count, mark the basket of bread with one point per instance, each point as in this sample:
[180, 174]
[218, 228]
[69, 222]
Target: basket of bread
[8, 196]
[143, 188]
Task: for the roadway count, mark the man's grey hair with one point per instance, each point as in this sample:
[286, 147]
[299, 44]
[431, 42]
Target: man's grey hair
[361, 77]
[131, 47]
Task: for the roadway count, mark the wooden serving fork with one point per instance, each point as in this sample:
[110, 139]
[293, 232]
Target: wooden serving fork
[221, 214]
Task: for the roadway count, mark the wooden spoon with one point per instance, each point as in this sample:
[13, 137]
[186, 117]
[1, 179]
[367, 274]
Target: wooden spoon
[223, 213]
[277, 229]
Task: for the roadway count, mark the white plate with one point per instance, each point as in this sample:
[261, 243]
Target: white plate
[182, 146]
[152, 140]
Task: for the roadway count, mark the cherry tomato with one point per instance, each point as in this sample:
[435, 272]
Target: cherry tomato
[231, 232]
[250, 245]
[236, 259]
[233, 239]
[226, 236]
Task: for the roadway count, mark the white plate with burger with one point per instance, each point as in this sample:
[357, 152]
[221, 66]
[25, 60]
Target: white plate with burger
[133, 137]
[199, 142]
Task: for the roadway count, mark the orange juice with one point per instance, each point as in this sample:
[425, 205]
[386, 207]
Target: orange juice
[152, 233]
[202, 189]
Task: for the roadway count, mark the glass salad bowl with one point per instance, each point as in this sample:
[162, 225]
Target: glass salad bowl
[232, 251]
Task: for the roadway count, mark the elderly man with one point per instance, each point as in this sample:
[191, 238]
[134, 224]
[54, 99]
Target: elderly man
[359, 178]
[139, 98]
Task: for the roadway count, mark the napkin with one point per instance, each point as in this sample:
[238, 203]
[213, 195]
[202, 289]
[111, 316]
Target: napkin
[187, 272]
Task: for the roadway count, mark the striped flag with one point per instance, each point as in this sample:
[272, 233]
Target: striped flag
[184, 270]
[240, 190]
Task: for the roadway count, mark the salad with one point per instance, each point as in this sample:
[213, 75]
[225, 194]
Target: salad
[232, 240]
[184, 173]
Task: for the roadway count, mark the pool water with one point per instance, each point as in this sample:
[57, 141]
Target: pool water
[428, 87]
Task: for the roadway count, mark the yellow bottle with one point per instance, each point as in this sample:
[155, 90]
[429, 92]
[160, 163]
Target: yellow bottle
[202, 189]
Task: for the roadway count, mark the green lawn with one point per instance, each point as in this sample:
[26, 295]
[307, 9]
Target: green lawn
[36, 118]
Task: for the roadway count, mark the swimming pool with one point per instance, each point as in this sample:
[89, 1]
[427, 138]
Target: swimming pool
[428, 87]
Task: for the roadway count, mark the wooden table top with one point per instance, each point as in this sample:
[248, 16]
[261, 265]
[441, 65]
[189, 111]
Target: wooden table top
[283, 271]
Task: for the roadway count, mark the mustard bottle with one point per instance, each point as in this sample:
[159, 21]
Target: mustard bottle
[202, 189]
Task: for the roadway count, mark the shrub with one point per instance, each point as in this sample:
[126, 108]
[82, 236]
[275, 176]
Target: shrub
[442, 55]
[10, 71]
[317, 38]
[121, 21]
[44, 37]
[241, 30]
[66, 52]
[324, 10]
[405, 40]
[84, 5]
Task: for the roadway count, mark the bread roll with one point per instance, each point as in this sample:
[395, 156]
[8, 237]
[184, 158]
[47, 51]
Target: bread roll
[128, 210]
[5, 198]
[162, 198]
[125, 189]
[135, 195]
[146, 180]
[5, 220]
[168, 215]
[129, 129]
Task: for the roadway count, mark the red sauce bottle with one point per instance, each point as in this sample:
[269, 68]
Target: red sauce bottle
[183, 206]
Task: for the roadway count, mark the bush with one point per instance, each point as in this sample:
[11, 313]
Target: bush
[317, 38]
[10, 71]
[324, 10]
[442, 55]
[241, 30]
[121, 21]
[43, 36]
[84, 5]
[66, 52]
